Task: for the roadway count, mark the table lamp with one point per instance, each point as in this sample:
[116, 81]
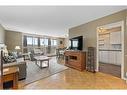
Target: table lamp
[17, 48]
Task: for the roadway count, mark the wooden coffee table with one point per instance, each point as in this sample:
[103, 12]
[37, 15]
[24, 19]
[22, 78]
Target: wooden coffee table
[39, 60]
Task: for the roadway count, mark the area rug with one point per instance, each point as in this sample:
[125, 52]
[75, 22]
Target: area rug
[34, 73]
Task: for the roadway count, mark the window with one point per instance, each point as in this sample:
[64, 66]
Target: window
[41, 42]
[29, 40]
[53, 42]
[46, 41]
[35, 41]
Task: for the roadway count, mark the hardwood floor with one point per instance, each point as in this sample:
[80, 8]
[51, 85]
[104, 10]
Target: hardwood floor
[114, 70]
[73, 79]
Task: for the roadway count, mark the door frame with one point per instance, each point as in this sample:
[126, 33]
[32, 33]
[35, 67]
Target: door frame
[120, 23]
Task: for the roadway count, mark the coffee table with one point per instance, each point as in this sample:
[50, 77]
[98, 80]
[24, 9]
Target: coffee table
[39, 60]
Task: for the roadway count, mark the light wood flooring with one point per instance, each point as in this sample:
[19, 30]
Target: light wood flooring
[73, 79]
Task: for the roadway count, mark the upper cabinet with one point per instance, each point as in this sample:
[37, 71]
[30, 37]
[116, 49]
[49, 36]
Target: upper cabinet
[115, 37]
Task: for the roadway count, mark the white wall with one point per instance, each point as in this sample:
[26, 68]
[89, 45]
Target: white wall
[2, 34]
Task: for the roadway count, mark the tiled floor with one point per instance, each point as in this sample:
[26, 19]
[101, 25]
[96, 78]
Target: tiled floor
[73, 79]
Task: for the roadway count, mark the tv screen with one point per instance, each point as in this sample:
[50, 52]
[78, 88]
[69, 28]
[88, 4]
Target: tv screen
[76, 43]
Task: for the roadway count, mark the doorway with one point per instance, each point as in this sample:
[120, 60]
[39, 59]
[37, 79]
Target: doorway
[110, 49]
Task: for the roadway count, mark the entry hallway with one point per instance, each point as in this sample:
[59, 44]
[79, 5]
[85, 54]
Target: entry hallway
[73, 79]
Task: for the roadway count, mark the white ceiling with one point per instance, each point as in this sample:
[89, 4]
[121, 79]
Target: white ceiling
[51, 20]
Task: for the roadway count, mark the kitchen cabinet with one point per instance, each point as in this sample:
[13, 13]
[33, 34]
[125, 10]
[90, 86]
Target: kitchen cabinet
[115, 37]
[104, 41]
[107, 41]
[118, 57]
[111, 57]
[103, 56]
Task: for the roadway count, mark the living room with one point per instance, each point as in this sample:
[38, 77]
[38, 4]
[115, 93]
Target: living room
[44, 50]
[20, 50]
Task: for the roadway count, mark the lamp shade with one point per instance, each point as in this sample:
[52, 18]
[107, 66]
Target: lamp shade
[17, 47]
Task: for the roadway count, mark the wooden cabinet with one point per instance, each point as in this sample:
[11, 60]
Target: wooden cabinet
[115, 37]
[75, 59]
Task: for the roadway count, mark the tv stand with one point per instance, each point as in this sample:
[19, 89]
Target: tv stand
[75, 59]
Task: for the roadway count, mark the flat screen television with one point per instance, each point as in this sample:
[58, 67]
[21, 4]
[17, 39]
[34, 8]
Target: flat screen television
[76, 43]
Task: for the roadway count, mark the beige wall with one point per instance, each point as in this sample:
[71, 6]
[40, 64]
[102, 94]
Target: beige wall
[13, 39]
[2, 34]
[88, 30]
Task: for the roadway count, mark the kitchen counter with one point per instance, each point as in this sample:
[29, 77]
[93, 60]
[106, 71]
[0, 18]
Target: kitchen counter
[110, 50]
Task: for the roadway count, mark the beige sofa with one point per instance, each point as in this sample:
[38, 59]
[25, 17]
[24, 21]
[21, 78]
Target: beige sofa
[22, 68]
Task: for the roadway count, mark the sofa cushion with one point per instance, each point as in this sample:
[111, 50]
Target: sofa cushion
[9, 59]
[10, 64]
[18, 60]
